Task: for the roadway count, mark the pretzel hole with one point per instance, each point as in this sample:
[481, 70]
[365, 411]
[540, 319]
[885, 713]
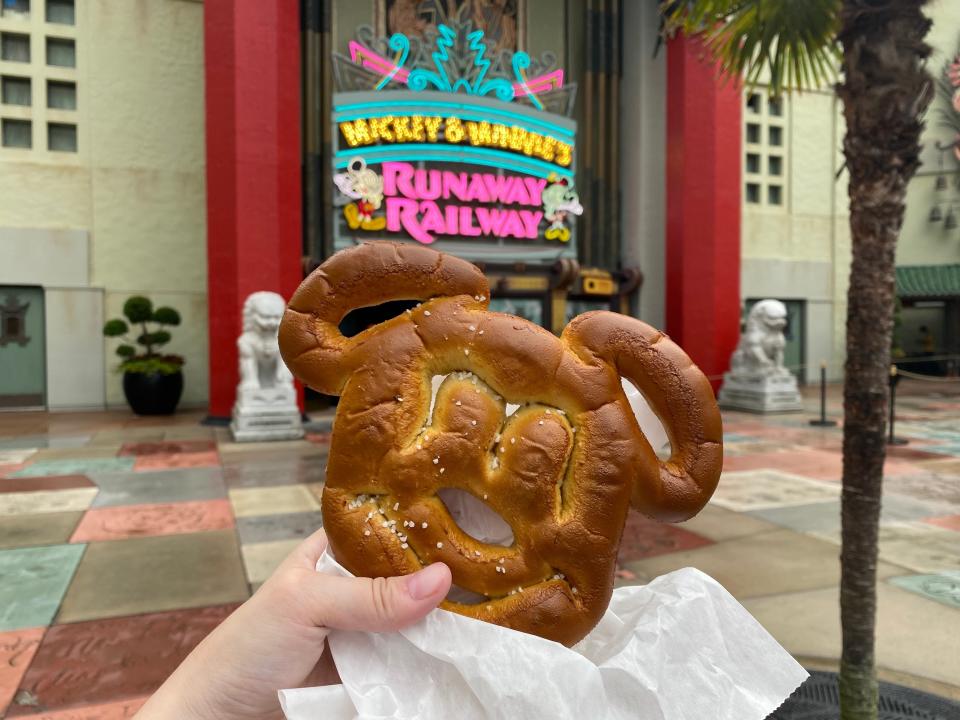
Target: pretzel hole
[476, 518]
[463, 596]
[435, 382]
[647, 419]
[360, 319]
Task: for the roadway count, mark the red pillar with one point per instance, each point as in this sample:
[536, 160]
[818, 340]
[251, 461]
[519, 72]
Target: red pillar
[703, 207]
[254, 239]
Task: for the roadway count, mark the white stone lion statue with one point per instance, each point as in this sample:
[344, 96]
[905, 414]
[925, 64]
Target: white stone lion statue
[760, 350]
[266, 406]
[757, 380]
[262, 371]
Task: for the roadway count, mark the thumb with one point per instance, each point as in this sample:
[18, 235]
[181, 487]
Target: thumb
[376, 604]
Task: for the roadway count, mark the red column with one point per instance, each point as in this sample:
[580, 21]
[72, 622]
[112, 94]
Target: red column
[703, 207]
[254, 239]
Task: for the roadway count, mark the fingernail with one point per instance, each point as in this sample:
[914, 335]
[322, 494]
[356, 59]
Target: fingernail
[426, 582]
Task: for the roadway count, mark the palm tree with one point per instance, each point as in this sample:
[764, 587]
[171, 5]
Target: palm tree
[885, 91]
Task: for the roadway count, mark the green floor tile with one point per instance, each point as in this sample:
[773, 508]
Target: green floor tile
[32, 583]
[943, 587]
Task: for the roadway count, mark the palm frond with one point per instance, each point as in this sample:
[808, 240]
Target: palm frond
[793, 41]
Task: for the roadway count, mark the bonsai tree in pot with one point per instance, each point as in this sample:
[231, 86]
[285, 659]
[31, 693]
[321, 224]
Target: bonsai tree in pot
[152, 382]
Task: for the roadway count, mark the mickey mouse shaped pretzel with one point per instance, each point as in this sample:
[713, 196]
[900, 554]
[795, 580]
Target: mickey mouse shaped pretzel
[562, 470]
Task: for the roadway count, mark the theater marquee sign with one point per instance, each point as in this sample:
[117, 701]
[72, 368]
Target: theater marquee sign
[436, 142]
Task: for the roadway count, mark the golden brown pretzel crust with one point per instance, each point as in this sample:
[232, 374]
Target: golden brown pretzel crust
[562, 470]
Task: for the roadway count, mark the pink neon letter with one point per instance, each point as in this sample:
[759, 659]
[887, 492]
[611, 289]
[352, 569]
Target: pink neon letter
[398, 179]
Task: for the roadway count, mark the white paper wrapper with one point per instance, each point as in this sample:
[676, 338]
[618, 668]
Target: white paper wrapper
[680, 648]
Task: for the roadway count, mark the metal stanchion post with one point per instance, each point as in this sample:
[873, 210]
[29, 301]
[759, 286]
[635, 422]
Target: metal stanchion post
[823, 422]
[894, 379]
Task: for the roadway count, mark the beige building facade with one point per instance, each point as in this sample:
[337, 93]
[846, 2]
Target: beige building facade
[796, 236]
[102, 183]
[795, 243]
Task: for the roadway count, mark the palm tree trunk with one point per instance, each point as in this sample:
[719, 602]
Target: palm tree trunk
[885, 91]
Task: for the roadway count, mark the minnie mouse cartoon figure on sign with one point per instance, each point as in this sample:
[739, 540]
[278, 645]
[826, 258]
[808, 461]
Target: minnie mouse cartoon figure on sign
[559, 199]
[363, 185]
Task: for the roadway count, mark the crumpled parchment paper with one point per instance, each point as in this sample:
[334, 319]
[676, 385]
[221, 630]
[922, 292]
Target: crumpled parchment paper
[679, 648]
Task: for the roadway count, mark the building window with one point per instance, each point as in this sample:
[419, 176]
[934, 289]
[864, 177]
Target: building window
[14, 47]
[62, 137]
[764, 164]
[15, 90]
[16, 133]
[61, 52]
[15, 8]
[61, 95]
[60, 12]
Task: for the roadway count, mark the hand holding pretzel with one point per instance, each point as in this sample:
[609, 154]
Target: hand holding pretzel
[562, 470]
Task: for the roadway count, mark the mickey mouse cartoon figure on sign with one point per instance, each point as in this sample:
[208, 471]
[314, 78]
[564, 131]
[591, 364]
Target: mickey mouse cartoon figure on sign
[363, 185]
[559, 199]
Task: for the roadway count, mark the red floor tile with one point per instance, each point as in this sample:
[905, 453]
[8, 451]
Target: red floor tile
[643, 538]
[915, 454]
[50, 482]
[951, 522]
[170, 447]
[177, 460]
[810, 463]
[125, 521]
[17, 649]
[104, 661]
[817, 464]
[172, 454]
[120, 710]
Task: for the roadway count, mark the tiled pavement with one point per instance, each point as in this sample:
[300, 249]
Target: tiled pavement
[124, 540]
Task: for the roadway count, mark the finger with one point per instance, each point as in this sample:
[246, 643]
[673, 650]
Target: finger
[375, 604]
[307, 553]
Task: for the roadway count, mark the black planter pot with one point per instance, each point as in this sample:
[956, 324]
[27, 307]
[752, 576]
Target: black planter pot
[153, 393]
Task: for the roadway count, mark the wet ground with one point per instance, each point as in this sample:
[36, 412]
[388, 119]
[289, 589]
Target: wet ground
[124, 540]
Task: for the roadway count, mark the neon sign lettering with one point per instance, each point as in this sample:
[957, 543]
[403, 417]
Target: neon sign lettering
[418, 128]
[421, 203]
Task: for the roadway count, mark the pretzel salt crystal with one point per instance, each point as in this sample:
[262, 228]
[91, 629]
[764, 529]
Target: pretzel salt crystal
[562, 470]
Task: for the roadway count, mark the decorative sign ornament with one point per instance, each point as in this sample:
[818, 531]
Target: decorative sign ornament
[440, 140]
[420, 78]
[362, 184]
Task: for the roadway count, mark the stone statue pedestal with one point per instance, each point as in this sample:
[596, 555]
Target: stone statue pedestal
[760, 393]
[266, 414]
